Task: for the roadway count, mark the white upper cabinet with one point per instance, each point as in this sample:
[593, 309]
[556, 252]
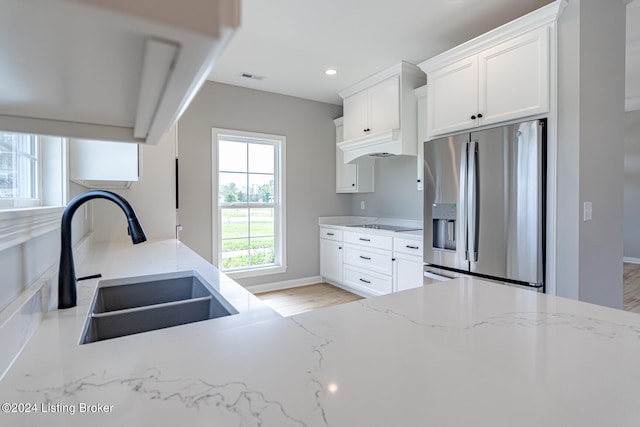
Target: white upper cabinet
[112, 70]
[452, 97]
[514, 78]
[355, 177]
[373, 110]
[357, 107]
[380, 113]
[103, 164]
[500, 76]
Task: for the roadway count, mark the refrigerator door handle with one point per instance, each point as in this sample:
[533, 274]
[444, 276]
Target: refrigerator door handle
[464, 167]
[472, 204]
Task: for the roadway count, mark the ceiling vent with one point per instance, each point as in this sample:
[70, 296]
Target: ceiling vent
[251, 76]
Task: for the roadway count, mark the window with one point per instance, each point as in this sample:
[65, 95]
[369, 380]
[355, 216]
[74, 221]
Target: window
[19, 170]
[32, 186]
[250, 201]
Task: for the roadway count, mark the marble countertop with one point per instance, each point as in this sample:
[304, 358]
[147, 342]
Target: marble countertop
[347, 223]
[458, 353]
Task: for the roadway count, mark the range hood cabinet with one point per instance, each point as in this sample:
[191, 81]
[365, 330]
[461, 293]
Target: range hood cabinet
[380, 114]
[382, 144]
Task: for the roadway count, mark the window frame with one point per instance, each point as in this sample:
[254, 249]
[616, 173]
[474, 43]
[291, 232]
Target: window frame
[280, 257]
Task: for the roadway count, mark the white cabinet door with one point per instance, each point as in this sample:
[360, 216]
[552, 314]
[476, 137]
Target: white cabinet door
[452, 97]
[373, 110]
[356, 113]
[367, 282]
[384, 105]
[371, 259]
[331, 260]
[407, 273]
[356, 177]
[514, 78]
[346, 174]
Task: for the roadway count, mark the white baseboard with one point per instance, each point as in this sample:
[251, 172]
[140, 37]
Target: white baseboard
[631, 260]
[285, 284]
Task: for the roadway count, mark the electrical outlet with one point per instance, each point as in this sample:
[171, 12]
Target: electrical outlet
[362, 205]
[588, 211]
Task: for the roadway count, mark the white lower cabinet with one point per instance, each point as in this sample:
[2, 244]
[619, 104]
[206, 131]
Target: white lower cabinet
[408, 270]
[370, 264]
[367, 263]
[331, 255]
[366, 281]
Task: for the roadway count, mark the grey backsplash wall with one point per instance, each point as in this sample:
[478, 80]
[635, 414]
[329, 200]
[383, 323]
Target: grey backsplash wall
[396, 194]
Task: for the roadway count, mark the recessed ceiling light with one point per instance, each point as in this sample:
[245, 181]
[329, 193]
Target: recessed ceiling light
[331, 71]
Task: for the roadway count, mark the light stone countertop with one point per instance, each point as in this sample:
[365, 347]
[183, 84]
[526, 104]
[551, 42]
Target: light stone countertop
[458, 353]
[346, 223]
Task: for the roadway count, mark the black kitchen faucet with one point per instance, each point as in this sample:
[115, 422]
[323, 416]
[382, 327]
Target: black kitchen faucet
[67, 295]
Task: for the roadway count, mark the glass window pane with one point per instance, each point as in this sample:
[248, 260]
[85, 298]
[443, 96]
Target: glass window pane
[232, 187]
[18, 166]
[235, 223]
[232, 156]
[261, 188]
[262, 223]
[262, 257]
[261, 158]
[236, 259]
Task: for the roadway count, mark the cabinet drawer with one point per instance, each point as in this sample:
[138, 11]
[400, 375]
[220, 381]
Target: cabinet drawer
[376, 284]
[407, 246]
[368, 239]
[371, 259]
[331, 234]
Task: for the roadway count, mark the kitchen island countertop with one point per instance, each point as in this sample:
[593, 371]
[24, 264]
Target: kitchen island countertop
[457, 353]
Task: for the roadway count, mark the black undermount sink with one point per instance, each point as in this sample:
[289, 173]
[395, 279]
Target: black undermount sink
[133, 305]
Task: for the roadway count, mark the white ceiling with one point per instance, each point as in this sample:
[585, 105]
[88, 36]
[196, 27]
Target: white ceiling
[291, 42]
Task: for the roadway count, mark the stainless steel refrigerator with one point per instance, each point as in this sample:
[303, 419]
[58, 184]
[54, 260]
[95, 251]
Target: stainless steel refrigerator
[484, 204]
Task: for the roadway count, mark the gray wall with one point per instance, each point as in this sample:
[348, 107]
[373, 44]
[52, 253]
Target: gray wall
[396, 194]
[632, 185]
[153, 197]
[310, 167]
[591, 55]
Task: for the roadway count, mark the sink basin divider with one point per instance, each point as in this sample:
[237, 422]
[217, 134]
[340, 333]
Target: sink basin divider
[151, 307]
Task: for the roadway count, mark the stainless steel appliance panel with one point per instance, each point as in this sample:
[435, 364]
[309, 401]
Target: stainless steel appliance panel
[505, 210]
[444, 178]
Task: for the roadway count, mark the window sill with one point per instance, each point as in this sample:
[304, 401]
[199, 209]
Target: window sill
[21, 224]
[241, 274]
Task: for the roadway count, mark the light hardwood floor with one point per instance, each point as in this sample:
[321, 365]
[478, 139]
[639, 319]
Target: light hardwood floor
[631, 288]
[292, 301]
